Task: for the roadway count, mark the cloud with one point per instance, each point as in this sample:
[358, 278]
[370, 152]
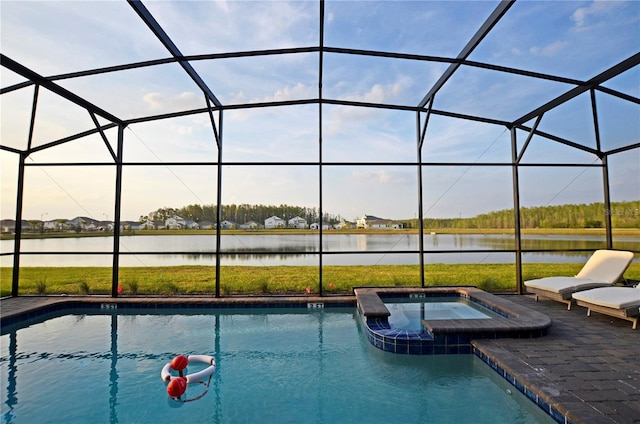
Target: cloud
[199, 26]
[549, 50]
[184, 130]
[380, 177]
[586, 18]
[380, 93]
[284, 24]
[291, 92]
[184, 100]
[342, 117]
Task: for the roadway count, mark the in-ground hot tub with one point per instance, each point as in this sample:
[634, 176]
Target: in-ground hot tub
[408, 312]
[458, 316]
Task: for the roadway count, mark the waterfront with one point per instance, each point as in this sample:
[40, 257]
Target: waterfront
[304, 249]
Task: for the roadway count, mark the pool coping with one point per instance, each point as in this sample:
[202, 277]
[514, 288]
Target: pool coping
[521, 379]
[15, 310]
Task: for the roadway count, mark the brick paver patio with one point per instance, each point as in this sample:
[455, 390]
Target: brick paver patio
[589, 367]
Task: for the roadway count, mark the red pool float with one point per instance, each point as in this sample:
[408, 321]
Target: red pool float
[177, 387]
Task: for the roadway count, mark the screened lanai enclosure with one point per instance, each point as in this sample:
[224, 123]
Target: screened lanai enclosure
[247, 140]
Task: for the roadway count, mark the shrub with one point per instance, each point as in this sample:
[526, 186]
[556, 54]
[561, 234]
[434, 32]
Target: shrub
[264, 285]
[41, 286]
[132, 286]
[170, 287]
[83, 287]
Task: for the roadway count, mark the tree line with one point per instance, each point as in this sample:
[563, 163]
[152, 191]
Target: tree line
[242, 213]
[623, 215]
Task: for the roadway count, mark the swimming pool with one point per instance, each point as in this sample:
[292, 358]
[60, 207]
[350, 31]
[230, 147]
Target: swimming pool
[273, 366]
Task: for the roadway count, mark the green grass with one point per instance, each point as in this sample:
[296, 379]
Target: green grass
[275, 280]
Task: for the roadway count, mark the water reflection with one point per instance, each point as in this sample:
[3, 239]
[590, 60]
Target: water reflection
[113, 373]
[347, 249]
[12, 397]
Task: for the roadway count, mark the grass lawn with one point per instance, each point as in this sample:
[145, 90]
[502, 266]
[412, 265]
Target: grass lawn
[275, 280]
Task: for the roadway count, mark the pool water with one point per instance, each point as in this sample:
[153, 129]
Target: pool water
[407, 313]
[273, 366]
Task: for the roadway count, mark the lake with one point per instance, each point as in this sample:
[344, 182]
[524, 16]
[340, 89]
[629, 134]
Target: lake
[303, 249]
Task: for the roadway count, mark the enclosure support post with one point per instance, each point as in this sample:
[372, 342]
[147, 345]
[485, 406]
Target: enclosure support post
[516, 210]
[17, 237]
[218, 202]
[320, 103]
[115, 270]
[607, 202]
[421, 133]
[605, 173]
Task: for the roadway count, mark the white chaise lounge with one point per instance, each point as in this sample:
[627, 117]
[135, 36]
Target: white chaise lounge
[621, 302]
[604, 268]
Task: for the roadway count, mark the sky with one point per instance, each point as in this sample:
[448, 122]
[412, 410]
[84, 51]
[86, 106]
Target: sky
[370, 153]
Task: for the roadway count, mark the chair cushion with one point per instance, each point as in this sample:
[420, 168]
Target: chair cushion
[606, 265]
[562, 285]
[611, 297]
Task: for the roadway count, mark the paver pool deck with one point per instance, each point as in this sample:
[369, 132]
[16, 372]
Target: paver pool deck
[588, 367]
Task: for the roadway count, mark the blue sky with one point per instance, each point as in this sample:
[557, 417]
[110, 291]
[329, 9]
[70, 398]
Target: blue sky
[572, 39]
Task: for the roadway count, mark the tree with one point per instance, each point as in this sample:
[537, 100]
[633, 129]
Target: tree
[34, 224]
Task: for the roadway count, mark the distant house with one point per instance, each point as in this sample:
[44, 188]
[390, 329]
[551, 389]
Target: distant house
[149, 224]
[146, 225]
[131, 225]
[251, 225]
[175, 223]
[83, 223]
[379, 223]
[228, 225]
[315, 226]
[344, 225]
[192, 225]
[370, 221]
[365, 221]
[108, 226]
[274, 222]
[154, 225]
[179, 223]
[206, 225]
[297, 222]
[50, 225]
[8, 226]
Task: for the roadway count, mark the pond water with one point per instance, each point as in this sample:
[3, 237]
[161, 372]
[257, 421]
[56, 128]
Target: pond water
[303, 249]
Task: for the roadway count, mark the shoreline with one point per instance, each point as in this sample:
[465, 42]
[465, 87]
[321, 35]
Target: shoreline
[427, 231]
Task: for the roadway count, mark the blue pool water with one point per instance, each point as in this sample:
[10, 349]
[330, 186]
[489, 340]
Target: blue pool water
[408, 313]
[273, 366]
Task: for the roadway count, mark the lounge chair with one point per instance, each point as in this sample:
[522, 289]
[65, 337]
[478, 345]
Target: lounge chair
[621, 302]
[604, 268]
